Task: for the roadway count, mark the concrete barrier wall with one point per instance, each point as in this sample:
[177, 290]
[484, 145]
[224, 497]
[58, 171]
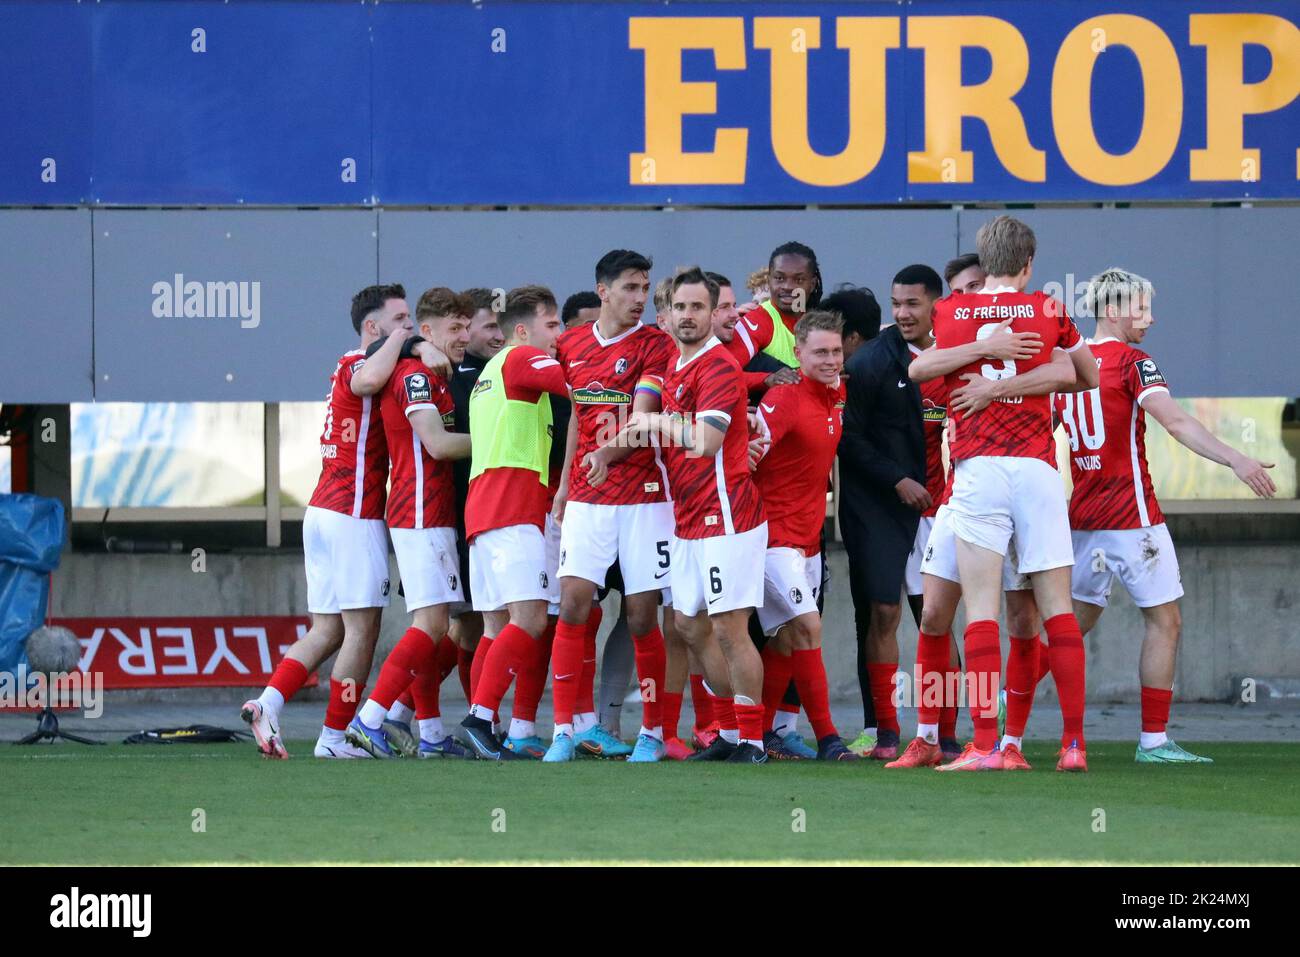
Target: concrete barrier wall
[1239, 613]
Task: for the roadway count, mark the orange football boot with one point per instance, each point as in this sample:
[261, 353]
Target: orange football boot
[1073, 758]
[973, 759]
[675, 749]
[920, 753]
[1013, 760]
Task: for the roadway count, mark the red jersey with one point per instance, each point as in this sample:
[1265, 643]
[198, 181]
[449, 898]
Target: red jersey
[501, 497]
[421, 491]
[1107, 429]
[805, 420]
[754, 333]
[604, 376]
[1019, 427]
[711, 496]
[934, 414]
[353, 453]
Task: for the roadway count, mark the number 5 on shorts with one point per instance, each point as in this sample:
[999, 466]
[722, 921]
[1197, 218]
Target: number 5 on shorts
[662, 549]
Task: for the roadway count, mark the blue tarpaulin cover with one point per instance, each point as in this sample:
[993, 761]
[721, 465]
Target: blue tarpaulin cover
[31, 538]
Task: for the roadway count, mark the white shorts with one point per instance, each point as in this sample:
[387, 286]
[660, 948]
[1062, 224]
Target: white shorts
[347, 561]
[1143, 558]
[552, 538]
[639, 537]
[509, 564]
[999, 500]
[940, 557]
[721, 573]
[790, 585]
[912, 576]
[429, 566]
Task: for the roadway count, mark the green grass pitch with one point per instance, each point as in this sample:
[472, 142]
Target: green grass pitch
[137, 805]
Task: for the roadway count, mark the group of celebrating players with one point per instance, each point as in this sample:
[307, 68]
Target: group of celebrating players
[517, 465]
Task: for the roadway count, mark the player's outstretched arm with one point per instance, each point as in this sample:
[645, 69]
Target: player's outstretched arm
[1002, 344]
[1190, 433]
[612, 451]
[441, 444]
[371, 377]
[1056, 375]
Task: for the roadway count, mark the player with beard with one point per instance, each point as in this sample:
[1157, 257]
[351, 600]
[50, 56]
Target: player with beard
[720, 536]
[343, 538]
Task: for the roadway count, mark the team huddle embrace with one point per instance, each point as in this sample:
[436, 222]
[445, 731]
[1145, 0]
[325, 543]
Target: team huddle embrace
[521, 468]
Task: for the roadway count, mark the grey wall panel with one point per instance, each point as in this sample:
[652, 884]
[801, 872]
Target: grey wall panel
[560, 249]
[1219, 330]
[285, 321]
[45, 309]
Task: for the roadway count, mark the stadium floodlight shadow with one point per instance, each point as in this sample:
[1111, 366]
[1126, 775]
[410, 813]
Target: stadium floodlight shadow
[52, 652]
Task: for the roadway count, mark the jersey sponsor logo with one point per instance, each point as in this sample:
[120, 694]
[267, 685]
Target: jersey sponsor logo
[933, 413]
[1148, 373]
[449, 421]
[620, 367]
[481, 386]
[597, 394]
[1088, 463]
[418, 387]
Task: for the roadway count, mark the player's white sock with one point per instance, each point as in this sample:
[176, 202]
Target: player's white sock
[928, 733]
[563, 729]
[522, 729]
[869, 732]
[271, 701]
[1010, 739]
[431, 730]
[752, 742]
[653, 732]
[372, 713]
[785, 722]
[478, 711]
[584, 722]
[730, 736]
[1152, 739]
[400, 713]
[330, 736]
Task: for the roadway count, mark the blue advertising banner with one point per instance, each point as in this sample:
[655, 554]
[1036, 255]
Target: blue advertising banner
[572, 103]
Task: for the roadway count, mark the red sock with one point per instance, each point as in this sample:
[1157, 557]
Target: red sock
[289, 677]
[406, 698]
[1155, 709]
[532, 677]
[932, 665]
[1022, 679]
[810, 679]
[1044, 662]
[983, 671]
[345, 698]
[448, 656]
[414, 654]
[476, 669]
[424, 690]
[749, 721]
[464, 665]
[701, 703]
[881, 677]
[586, 700]
[566, 670]
[651, 664]
[1065, 649]
[948, 713]
[724, 712]
[777, 671]
[511, 649]
[672, 713]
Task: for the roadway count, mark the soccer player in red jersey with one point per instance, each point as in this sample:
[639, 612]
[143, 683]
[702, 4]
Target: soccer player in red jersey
[1116, 522]
[419, 421]
[721, 532]
[1005, 485]
[343, 540]
[617, 506]
[512, 578]
[803, 423]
